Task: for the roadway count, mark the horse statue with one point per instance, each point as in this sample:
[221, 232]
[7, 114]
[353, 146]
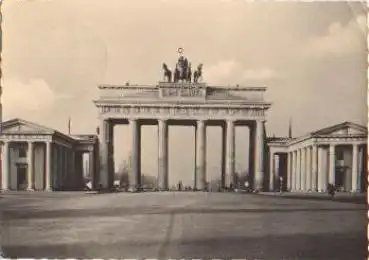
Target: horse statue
[167, 73]
[189, 73]
[197, 74]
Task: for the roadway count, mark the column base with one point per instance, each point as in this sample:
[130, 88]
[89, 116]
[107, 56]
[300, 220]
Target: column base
[5, 190]
[30, 189]
[49, 189]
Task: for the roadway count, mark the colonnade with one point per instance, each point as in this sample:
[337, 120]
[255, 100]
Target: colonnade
[6, 160]
[309, 170]
[200, 180]
[58, 166]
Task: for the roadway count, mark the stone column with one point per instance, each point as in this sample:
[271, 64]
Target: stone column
[224, 156]
[72, 178]
[251, 154]
[308, 169]
[314, 168]
[298, 169]
[60, 167]
[289, 171]
[303, 170]
[293, 171]
[200, 155]
[332, 164]
[230, 153]
[92, 170]
[104, 153]
[66, 168]
[30, 168]
[134, 182]
[259, 156]
[5, 178]
[271, 171]
[163, 155]
[355, 168]
[321, 174]
[48, 180]
[360, 167]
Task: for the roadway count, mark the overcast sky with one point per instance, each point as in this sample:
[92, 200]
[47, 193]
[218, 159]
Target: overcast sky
[311, 56]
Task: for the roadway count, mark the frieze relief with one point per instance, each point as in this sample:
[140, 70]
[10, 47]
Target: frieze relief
[182, 92]
[183, 111]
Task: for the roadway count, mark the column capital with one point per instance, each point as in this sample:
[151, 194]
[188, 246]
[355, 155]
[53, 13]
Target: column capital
[163, 120]
[200, 123]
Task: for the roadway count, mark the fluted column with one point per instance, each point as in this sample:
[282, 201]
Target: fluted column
[251, 154]
[104, 153]
[289, 171]
[314, 168]
[230, 153]
[91, 163]
[66, 170]
[5, 166]
[259, 156]
[271, 171]
[200, 155]
[134, 181]
[303, 169]
[48, 180]
[293, 171]
[298, 170]
[308, 169]
[354, 169]
[332, 164]
[60, 167]
[224, 156]
[163, 155]
[30, 167]
[320, 169]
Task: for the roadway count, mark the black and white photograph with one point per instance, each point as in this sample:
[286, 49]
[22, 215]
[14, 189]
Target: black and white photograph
[183, 129]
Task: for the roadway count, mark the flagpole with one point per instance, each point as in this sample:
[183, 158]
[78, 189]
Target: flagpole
[69, 125]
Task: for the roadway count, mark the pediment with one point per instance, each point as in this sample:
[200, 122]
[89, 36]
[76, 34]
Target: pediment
[346, 128]
[20, 126]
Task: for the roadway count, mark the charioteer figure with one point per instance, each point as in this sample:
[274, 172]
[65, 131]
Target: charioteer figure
[182, 70]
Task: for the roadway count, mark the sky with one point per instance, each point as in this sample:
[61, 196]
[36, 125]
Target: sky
[310, 55]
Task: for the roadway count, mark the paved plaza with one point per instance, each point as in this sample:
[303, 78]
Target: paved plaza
[180, 224]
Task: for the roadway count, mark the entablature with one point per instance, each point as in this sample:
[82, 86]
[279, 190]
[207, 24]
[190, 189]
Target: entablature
[183, 111]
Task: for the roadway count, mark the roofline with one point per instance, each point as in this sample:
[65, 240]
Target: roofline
[235, 87]
[236, 103]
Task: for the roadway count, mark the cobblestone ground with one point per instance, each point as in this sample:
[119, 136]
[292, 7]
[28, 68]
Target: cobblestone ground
[179, 225]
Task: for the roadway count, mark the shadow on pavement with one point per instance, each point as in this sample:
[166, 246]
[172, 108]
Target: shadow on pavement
[294, 246]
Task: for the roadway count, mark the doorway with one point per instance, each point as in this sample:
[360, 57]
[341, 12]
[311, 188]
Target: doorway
[21, 176]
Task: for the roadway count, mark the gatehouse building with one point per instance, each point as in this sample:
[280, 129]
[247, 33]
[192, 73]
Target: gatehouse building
[35, 157]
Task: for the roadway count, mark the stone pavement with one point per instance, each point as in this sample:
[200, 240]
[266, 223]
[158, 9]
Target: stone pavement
[339, 196]
[179, 225]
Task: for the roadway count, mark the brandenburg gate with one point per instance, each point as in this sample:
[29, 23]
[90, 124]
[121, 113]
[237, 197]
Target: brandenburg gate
[182, 101]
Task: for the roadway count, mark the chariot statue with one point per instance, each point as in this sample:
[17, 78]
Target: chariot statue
[182, 71]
